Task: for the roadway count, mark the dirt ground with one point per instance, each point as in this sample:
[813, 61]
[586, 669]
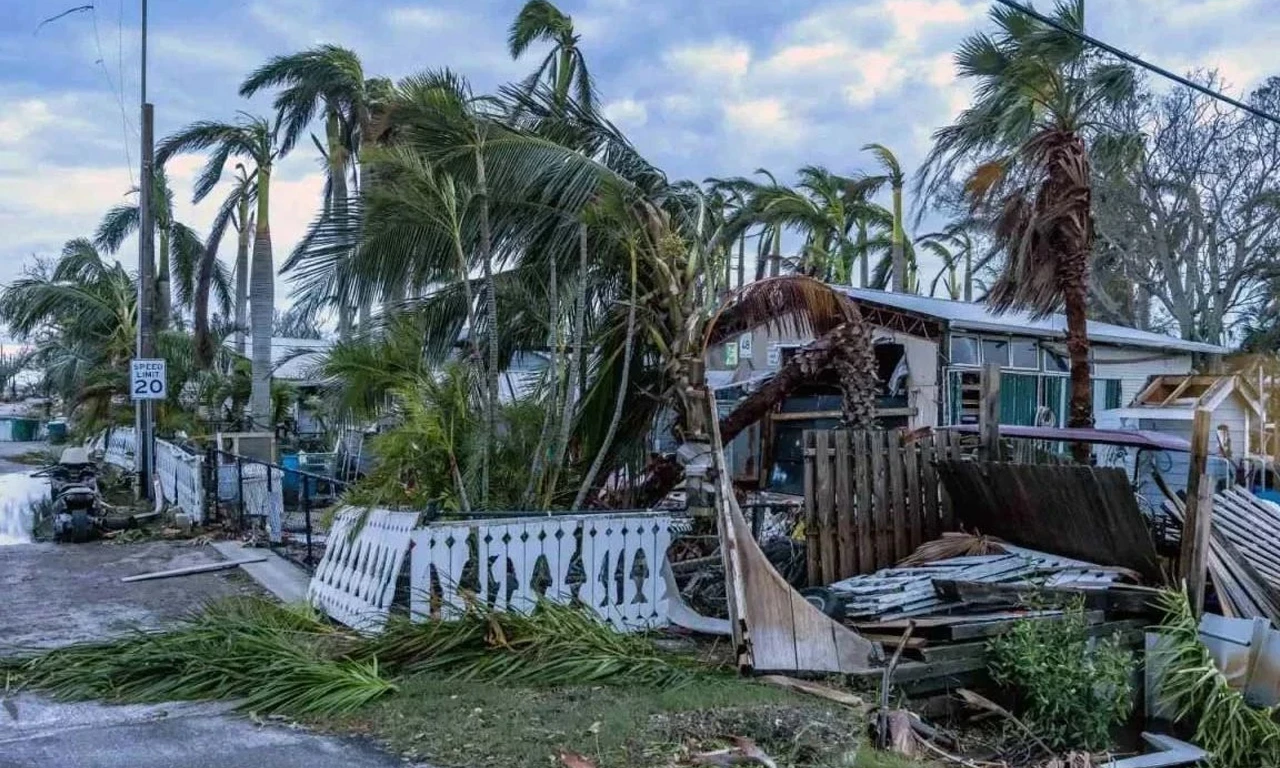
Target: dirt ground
[54, 594]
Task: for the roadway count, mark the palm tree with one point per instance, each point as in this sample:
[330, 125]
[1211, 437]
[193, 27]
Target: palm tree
[256, 140]
[1023, 146]
[564, 68]
[903, 274]
[329, 81]
[234, 212]
[178, 249]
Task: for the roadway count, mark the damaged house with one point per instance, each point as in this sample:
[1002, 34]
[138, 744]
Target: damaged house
[930, 354]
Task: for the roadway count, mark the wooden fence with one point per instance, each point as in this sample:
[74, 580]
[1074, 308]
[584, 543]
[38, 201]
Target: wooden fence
[871, 498]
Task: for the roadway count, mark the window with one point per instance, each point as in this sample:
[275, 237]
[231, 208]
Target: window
[1023, 354]
[995, 352]
[1055, 363]
[1106, 394]
[964, 350]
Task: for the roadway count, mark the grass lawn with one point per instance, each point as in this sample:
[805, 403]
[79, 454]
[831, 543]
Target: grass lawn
[479, 725]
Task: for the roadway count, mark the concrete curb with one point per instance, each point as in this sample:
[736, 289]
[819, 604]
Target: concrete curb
[286, 581]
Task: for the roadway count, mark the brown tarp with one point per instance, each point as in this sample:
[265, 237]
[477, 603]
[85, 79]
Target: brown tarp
[1086, 513]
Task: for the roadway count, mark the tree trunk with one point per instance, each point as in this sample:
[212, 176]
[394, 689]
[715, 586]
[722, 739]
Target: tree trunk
[968, 274]
[572, 388]
[776, 267]
[262, 306]
[864, 267]
[900, 282]
[491, 313]
[624, 381]
[204, 279]
[242, 273]
[539, 467]
[164, 294]
[847, 348]
[742, 260]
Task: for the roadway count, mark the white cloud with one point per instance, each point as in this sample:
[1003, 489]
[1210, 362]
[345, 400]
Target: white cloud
[420, 17]
[765, 120]
[627, 113]
[720, 61]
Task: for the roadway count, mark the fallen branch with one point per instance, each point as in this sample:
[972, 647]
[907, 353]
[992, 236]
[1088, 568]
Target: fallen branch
[982, 702]
[817, 689]
[886, 679]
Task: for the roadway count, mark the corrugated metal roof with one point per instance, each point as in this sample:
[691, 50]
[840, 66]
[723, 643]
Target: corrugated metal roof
[979, 317]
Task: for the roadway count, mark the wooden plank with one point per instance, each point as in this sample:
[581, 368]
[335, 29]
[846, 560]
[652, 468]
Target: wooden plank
[812, 558]
[915, 510]
[989, 413]
[942, 442]
[864, 482]
[1194, 554]
[992, 628]
[826, 508]
[897, 497]
[845, 507]
[932, 509]
[881, 528]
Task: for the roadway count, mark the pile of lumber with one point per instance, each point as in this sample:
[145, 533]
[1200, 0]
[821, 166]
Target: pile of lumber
[1243, 562]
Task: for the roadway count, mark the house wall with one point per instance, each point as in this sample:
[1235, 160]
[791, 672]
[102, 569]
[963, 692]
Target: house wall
[1134, 367]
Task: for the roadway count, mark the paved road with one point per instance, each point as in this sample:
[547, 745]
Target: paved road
[54, 594]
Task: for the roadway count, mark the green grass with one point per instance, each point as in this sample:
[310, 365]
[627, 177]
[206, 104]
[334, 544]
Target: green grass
[484, 725]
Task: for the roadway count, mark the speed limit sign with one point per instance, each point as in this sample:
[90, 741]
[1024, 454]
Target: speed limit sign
[147, 381]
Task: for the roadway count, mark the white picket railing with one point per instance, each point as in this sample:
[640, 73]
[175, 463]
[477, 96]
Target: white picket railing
[263, 495]
[181, 476]
[120, 448]
[523, 560]
[355, 581]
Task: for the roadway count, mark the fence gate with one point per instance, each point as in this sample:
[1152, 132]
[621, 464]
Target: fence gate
[871, 498]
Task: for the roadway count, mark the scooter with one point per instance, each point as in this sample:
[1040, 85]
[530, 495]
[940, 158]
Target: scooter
[77, 505]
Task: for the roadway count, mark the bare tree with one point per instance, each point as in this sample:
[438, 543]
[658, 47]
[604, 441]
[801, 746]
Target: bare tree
[1188, 227]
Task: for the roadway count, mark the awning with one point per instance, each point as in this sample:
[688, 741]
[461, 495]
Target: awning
[1133, 438]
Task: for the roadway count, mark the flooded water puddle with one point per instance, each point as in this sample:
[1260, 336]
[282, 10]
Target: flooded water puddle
[19, 494]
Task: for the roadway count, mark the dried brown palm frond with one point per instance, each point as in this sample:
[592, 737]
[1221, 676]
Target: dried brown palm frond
[788, 303]
[953, 545]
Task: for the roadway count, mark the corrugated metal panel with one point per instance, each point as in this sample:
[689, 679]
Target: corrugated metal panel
[979, 317]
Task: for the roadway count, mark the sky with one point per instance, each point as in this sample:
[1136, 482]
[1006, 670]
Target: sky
[703, 87]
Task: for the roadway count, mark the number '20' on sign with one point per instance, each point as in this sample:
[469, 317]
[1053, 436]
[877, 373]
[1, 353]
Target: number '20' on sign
[148, 380]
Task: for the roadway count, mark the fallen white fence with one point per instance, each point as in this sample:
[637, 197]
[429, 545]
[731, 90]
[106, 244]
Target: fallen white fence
[181, 477]
[355, 581]
[121, 446]
[609, 563]
[263, 495]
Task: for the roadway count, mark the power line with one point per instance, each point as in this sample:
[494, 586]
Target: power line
[116, 90]
[1114, 51]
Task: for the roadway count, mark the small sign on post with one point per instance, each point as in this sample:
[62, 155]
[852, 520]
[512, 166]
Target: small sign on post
[147, 380]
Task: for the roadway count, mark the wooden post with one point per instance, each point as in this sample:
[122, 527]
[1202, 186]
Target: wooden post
[1197, 522]
[989, 414]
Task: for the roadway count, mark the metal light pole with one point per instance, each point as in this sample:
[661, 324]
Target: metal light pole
[144, 411]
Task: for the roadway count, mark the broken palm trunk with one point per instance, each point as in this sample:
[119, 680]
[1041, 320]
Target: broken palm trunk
[774, 628]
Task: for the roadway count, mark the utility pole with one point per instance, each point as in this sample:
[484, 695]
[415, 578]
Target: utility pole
[144, 411]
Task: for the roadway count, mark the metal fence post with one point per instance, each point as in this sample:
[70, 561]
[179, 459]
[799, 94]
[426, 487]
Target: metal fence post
[240, 488]
[306, 513]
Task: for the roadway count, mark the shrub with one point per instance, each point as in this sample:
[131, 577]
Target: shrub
[1071, 689]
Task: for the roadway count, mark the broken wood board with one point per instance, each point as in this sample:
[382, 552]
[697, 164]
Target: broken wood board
[191, 570]
[1080, 512]
[1114, 599]
[774, 628]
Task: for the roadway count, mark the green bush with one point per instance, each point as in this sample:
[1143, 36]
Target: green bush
[1071, 689]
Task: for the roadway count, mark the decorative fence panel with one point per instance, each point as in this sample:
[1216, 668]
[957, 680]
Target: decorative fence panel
[610, 563]
[120, 448]
[356, 579]
[871, 498]
[181, 476]
[263, 496]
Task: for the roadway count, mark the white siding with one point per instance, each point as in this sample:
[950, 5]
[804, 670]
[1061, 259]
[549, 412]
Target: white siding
[1134, 367]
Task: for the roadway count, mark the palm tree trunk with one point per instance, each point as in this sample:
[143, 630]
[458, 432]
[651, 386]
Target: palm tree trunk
[968, 274]
[742, 259]
[899, 248]
[242, 274]
[262, 305]
[864, 273]
[623, 382]
[164, 295]
[776, 267]
[491, 312]
[553, 375]
[572, 386]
